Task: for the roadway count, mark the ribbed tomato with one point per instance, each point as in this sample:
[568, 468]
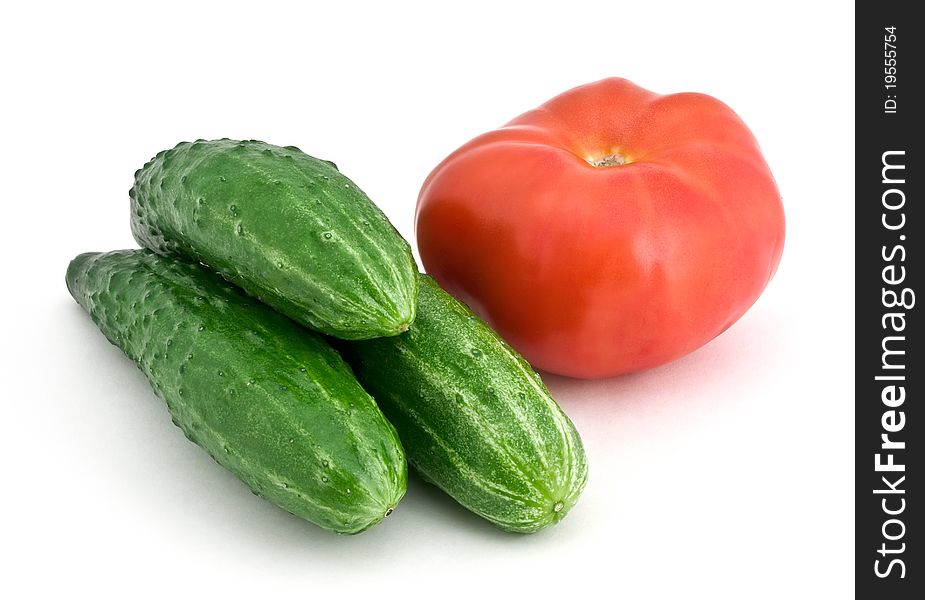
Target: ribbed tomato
[610, 230]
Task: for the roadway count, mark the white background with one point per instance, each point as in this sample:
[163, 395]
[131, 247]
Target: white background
[728, 474]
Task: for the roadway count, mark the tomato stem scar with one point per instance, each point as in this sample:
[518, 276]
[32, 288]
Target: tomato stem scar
[611, 160]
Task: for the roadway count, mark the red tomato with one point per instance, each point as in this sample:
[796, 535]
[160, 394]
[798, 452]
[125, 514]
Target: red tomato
[608, 231]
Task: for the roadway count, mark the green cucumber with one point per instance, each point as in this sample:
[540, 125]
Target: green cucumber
[473, 416]
[288, 228]
[270, 401]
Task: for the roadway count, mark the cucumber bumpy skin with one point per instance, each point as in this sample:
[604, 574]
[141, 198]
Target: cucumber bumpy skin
[474, 418]
[288, 228]
[269, 400]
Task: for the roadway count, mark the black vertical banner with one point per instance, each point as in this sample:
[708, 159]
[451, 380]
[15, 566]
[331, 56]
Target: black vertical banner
[890, 367]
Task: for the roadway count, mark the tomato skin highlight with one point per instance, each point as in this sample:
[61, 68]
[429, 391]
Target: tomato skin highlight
[610, 230]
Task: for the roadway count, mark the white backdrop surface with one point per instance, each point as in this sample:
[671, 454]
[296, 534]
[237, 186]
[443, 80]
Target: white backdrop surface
[727, 474]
